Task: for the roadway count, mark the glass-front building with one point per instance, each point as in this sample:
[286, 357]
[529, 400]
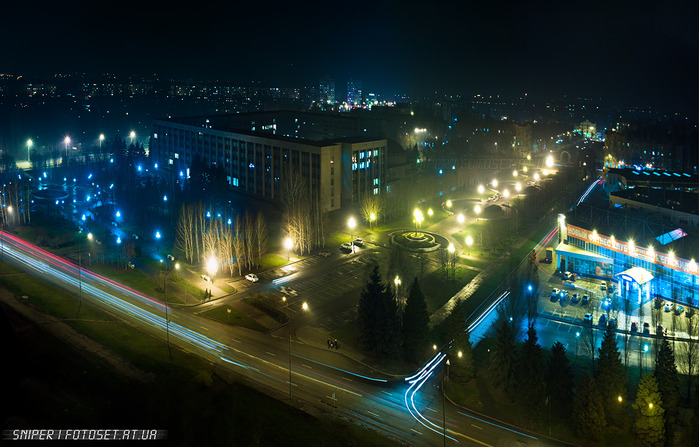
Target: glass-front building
[640, 272]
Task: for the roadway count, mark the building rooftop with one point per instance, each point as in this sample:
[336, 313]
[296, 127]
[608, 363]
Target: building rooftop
[683, 201]
[638, 226]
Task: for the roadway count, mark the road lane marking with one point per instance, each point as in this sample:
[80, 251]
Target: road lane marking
[432, 409]
[479, 428]
[373, 414]
[270, 353]
[416, 431]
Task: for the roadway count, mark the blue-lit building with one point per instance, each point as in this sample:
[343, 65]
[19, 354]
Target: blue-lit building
[632, 250]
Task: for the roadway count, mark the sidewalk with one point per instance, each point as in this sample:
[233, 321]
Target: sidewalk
[63, 332]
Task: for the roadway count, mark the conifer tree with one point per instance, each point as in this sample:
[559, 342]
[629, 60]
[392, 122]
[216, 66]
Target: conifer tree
[559, 379]
[649, 424]
[588, 411]
[369, 309]
[668, 385]
[503, 358]
[460, 349]
[415, 323]
[530, 386]
[610, 378]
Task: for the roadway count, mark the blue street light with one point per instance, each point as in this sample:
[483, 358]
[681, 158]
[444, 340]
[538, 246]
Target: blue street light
[157, 234]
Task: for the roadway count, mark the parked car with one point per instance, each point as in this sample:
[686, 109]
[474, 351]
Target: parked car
[252, 277]
[613, 323]
[554, 294]
[568, 276]
[131, 265]
[634, 326]
[206, 278]
[646, 328]
[587, 318]
[679, 310]
[603, 286]
[668, 306]
[660, 330]
[346, 246]
[603, 320]
[324, 254]
[585, 300]
[575, 298]
[170, 258]
[358, 242]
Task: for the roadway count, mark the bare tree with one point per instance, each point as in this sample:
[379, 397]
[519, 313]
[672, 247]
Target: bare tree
[250, 240]
[184, 231]
[238, 244]
[686, 351]
[371, 208]
[261, 235]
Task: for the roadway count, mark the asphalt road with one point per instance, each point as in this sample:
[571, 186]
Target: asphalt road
[408, 410]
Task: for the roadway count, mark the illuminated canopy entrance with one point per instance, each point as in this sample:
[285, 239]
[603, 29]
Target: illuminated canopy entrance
[635, 283]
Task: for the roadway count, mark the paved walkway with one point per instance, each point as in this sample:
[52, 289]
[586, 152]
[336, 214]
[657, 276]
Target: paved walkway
[62, 331]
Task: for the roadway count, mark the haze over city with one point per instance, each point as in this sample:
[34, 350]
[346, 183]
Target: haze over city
[377, 224]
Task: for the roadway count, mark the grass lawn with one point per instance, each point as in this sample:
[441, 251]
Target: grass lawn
[474, 263]
[467, 395]
[272, 261]
[222, 314]
[439, 290]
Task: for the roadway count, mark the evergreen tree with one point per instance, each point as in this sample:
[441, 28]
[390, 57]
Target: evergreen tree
[415, 323]
[503, 358]
[611, 378]
[458, 341]
[530, 386]
[388, 343]
[668, 385]
[368, 313]
[559, 380]
[588, 411]
[649, 425]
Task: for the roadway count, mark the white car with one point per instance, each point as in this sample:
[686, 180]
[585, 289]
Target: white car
[668, 307]
[206, 278]
[252, 277]
[359, 242]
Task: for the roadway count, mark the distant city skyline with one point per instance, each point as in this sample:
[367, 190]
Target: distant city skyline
[620, 51]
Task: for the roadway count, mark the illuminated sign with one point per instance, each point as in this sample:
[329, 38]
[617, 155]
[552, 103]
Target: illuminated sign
[646, 254]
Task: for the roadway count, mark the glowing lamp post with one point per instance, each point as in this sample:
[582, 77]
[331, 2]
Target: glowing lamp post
[304, 307]
[288, 244]
[101, 139]
[212, 267]
[372, 218]
[352, 224]
[30, 143]
[66, 140]
[398, 282]
[469, 243]
[481, 189]
[430, 213]
[417, 214]
[167, 319]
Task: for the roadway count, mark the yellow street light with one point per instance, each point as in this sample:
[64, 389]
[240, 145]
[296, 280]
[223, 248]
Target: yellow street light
[30, 143]
[460, 218]
[481, 189]
[518, 187]
[288, 244]
[477, 209]
[211, 265]
[495, 183]
[448, 203]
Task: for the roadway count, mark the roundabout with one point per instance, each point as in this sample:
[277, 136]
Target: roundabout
[417, 241]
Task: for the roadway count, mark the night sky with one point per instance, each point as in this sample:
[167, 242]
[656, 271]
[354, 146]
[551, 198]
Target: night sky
[636, 53]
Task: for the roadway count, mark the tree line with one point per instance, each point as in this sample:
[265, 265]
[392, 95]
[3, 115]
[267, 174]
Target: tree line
[238, 245]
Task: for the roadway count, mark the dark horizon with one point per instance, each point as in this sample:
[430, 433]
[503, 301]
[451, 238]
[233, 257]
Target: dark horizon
[624, 53]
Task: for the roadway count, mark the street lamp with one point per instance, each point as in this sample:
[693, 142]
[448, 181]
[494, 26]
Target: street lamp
[430, 213]
[132, 135]
[495, 183]
[417, 214]
[4, 226]
[304, 307]
[101, 138]
[469, 243]
[577, 336]
[211, 266]
[481, 189]
[518, 187]
[288, 244]
[398, 282]
[448, 204]
[506, 193]
[351, 224]
[30, 143]
[460, 218]
[167, 319]
[66, 140]
[372, 218]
